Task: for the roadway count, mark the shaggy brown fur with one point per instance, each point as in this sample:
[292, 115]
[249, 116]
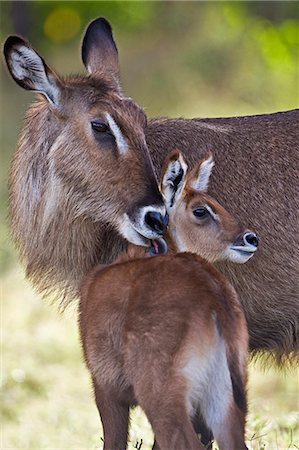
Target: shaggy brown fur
[256, 178]
[69, 186]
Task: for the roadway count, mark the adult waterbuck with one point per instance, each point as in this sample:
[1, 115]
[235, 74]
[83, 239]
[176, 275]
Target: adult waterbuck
[256, 176]
[183, 315]
[82, 175]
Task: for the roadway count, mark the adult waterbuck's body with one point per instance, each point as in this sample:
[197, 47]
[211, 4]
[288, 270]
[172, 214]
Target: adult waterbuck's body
[71, 228]
[256, 179]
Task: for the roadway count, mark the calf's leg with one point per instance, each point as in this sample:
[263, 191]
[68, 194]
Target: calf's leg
[115, 417]
[229, 434]
[200, 427]
[167, 413]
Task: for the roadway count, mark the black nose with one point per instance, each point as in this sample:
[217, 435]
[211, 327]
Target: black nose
[156, 221]
[251, 239]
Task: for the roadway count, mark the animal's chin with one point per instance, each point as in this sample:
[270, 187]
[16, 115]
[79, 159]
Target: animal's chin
[156, 246]
[239, 255]
[131, 234]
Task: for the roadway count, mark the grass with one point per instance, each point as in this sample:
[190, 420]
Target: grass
[47, 400]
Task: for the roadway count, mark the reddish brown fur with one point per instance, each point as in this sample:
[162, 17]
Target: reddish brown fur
[138, 320]
[211, 242]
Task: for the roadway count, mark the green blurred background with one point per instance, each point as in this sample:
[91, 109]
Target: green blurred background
[186, 59]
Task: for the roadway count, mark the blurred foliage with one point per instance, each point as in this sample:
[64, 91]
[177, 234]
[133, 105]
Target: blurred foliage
[62, 24]
[247, 51]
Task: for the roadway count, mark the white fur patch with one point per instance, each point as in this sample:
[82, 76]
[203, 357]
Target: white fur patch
[239, 254]
[25, 60]
[215, 217]
[128, 231]
[54, 190]
[120, 140]
[210, 386]
[205, 170]
[140, 224]
[179, 243]
[215, 127]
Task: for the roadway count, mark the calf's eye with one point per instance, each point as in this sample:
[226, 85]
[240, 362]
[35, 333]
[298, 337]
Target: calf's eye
[201, 213]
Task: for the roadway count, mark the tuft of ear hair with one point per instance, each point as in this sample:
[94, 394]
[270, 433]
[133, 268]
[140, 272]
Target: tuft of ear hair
[29, 69]
[99, 51]
[173, 177]
[199, 177]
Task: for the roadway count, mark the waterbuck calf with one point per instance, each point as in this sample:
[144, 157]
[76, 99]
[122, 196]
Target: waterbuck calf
[168, 333]
[70, 189]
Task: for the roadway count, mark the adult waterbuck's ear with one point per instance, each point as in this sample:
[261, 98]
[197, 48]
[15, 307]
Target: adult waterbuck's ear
[99, 52]
[29, 69]
[198, 178]
[173, 178]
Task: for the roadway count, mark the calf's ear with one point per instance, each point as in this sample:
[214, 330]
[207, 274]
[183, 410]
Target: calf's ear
[173, 178]
[198, 178]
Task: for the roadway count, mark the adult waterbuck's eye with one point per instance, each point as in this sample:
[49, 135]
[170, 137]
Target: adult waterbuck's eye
[100, 127]
[201, 213]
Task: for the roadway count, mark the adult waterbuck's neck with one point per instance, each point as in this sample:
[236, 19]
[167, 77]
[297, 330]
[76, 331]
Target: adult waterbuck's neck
[82, 176]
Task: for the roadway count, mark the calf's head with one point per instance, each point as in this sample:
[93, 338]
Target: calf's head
[197, 222]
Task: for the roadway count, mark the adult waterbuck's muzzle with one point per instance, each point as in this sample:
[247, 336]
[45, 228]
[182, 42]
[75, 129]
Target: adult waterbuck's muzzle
[146, 224]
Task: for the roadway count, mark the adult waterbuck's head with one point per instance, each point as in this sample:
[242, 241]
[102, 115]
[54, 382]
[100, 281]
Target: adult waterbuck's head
[82, 164]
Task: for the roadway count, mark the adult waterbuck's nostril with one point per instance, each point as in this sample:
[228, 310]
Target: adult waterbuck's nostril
[156, 221]
[251, 239]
